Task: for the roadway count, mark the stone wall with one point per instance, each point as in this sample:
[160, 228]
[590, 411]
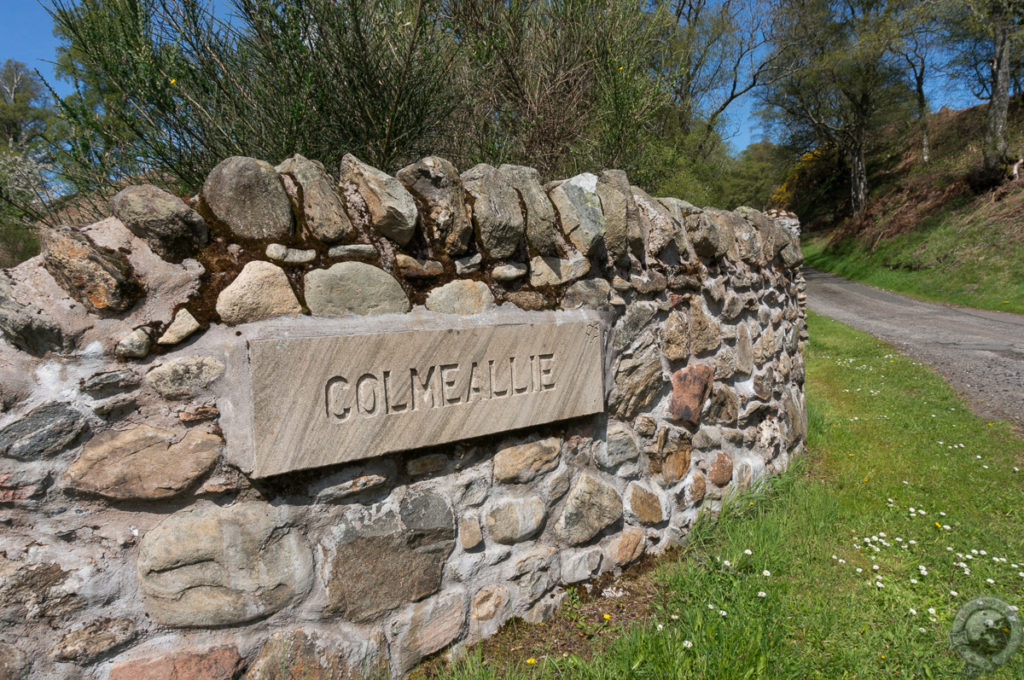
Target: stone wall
[140, 541]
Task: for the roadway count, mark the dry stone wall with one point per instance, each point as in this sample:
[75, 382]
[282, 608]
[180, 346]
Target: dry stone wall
[149, 529]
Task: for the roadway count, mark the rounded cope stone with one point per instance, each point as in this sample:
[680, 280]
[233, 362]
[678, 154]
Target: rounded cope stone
[260, 291]
[171, 228]
[247, 195]
[497, 215]
[460, 297]
[437, 189]
[354, 288]
[389, 208]
[213, 566]
[322, 207]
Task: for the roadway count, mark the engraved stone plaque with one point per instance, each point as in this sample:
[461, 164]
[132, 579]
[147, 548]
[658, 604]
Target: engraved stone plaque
[324, 400]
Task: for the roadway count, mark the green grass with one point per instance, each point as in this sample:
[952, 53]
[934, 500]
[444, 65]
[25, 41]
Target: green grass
[886, 434]
[965, 257]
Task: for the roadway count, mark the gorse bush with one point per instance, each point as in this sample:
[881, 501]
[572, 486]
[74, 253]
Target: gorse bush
[168, 88]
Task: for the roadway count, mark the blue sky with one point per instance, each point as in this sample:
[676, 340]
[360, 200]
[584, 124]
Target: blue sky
[26, 34]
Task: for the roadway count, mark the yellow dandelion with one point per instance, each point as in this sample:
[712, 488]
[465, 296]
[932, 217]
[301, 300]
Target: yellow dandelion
[173, 81]
[620, 68]
[531, 661]
[607, 617]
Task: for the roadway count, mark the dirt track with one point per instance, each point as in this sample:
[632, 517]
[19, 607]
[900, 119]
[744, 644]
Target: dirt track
[980, 353]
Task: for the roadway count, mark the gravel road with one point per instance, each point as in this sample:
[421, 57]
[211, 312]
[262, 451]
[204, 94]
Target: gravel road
[980, 353]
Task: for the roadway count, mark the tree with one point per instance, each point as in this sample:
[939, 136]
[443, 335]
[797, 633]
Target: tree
[839, 80]
[25, 172]
[716, 53]
[918, 46]
[986, 36]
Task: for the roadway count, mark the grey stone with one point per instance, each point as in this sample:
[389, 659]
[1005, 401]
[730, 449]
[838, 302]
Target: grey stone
[524, 462]
[745, 236]
[14, 664]
[541, 220]
[425, 465]
[384, 560]
[355, 250]
[29, 328]
[535, 573]
[766, 231]
[512, 520]
[437, 189]
[470, 534]
[591, 507]
[705, 333]
[111, 382]
[412, 268]
[710, 239]
[323, 210]
[354, 288]
[260, 291]
[378, 200]
[621, 218]
[553, 271]
[665, 238]
[135, 345]
[43, 432]
[678, 208]
[211, 566]
[460, 297]
[92, 641]
[724, 406]
[675, 336]
[184, 325]
[285, 255]
[581, 566]
[497, 215]
[744, 351]
[725, 363]
[620, 446]
[794, 414]
[591, 293]
[247, 195]
[631, 324]
[172, 229]
[637, 381]
[102, 279]
[509, 271]
[184, 377]
[350, 487]
[643, 506]
[427, 627]
[557, 485]
[468, 265]
[579, 210]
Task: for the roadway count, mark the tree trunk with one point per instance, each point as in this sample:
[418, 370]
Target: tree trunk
[922, 114]
[858, 180]
[995, 131]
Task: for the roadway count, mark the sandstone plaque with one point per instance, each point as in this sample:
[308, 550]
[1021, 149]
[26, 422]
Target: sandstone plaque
[324, 400]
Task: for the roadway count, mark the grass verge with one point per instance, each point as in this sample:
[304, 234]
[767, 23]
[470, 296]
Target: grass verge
[963, 258]
[905, 507]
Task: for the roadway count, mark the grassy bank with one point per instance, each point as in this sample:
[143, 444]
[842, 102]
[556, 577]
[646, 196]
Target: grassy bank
[960, 259]
[853, 563]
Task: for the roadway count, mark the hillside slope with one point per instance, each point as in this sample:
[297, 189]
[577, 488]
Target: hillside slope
[926, 232]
